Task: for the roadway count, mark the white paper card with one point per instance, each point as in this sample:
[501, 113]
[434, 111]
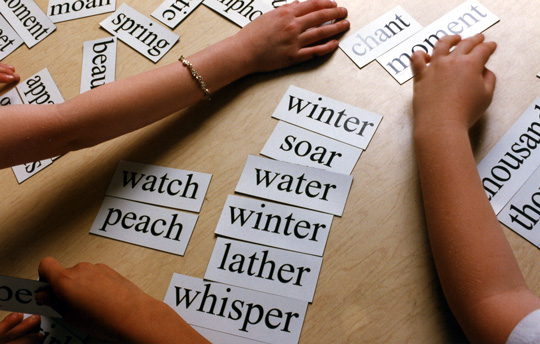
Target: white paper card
[301, 186]
[24, 171]
[28, 20]
[59, 332]
[9, 40]
[62, 10]
[326, 116]
[145, 225]
[10, 98]
[18, 295]
[513, 158]
[237, 311]
[263, 268]
[522, 212]
[99, 63]
[169, 187]
[379, 36]
[466, 20]
[274, 224]
[140, 32]
[240, 12]
[217, 337]
[299, 146]
[173, 12]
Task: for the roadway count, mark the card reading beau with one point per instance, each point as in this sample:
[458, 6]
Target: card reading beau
[169, 187]
[329, 117]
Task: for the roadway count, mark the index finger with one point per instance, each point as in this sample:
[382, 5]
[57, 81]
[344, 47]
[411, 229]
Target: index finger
[48, 268]
[483, 52]
[306, 7]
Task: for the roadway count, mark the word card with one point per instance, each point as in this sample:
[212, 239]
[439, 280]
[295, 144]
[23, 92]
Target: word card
[264, 268]
[237, 311]
[173, 12]
[274, 224]
[217, 337]
[99, 63]
[513, 158]
[379, 36]
[302, 186]
[63, 10]
[10, 98]
[240, 12]
[140, 32]
[299, 146]
[9, 40]
[169, 187]
[28, 20]
[522, 212]
[59, 332]
[326, 116]
[144, 225]
[466, 20]
[18, 295]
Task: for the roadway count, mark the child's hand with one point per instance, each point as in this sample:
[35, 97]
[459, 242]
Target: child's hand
[15, 330]
[291, 34]
[7, 74]
[455, 89]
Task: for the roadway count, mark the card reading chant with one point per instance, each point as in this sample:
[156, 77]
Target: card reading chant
[237, 311]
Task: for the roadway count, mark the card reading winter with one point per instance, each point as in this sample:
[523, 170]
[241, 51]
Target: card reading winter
[173, 12]
[237, 311]
[379, 36]
[466, 20]
[63, 10]
[9, 40]
[18, 295]
[240, 12]
[169, 187]
[300, 146]
[140, 32]
[301, 186]
[326, 116]
[145, 225]
[99, 63]
[28, 20]
[274, 224]
[513, 158]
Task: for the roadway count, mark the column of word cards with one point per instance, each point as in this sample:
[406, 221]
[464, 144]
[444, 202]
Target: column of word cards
[158, 225]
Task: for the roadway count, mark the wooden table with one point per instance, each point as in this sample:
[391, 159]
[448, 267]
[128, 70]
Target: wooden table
[378, 283]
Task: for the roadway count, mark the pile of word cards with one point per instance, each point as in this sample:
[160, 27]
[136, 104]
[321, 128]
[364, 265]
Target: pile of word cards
[267, 257]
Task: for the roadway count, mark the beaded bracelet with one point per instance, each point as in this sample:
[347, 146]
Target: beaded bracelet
[196, 75]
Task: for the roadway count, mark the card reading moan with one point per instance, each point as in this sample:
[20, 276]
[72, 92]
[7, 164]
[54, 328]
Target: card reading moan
[145, 225]
[240, 12]
[63, 10]
[237, 311]
[298, 185]
[379, 36]
[9, 39]
[140, 32]
[99, 63]
[28, 20]
[300, 146]
[18, 295]
[513, 158]
[326, 116]
[173, 12]
[169, 187]
[274, 224]
[466, 20]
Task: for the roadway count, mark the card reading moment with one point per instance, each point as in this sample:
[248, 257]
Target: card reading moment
[466, 20]
[301, 186]
[240, 12]
[173, 12]
[274, 224]
[140, 32]
[237, 311]
[145, 225]
[169, 187]
[99, 63]
[379, 36]
[18, 295]
[63, 10]
[28, 20]
[513, 158]
[299, 146]
[9, 40]
[326, 116]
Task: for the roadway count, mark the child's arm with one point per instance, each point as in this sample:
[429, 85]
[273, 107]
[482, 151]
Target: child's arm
[7, 74]
[275, 40]
[477, 269]
[102, 302]
[16, 330]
